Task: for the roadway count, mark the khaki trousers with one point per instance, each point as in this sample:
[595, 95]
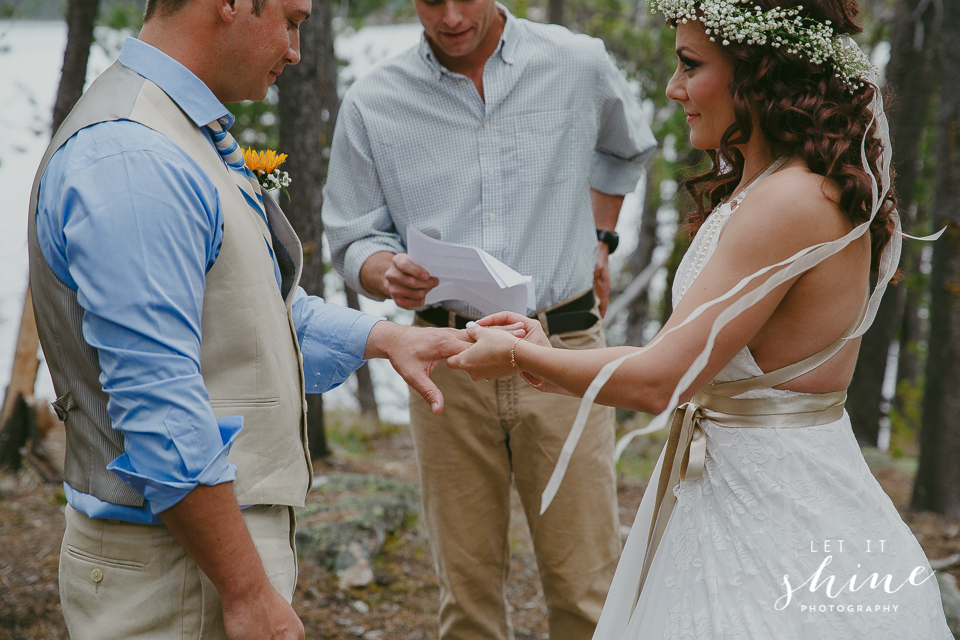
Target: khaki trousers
[466, 455]
[130, 582]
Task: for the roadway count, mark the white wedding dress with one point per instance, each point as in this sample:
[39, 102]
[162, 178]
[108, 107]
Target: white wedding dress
[772, 502]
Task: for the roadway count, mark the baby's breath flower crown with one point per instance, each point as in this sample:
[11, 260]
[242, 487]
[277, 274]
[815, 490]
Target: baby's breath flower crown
[729, 20]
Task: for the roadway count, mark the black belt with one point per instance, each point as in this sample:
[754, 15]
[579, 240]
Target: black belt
[575, 315]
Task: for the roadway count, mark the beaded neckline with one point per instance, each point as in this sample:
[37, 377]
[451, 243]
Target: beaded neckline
[703, 242]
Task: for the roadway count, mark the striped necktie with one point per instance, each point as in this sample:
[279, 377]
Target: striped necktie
[233, 156]
[246, 181]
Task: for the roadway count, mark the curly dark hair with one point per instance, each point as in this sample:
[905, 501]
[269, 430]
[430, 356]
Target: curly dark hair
[805, 110]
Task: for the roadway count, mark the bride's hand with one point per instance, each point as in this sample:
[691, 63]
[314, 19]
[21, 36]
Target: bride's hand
[489, 357]
[532, 331]
[492, 354]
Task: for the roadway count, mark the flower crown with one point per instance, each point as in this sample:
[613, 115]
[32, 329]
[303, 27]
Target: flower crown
[728, 20]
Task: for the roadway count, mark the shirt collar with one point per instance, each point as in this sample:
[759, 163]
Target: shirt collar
[506, 48]
[184, 88]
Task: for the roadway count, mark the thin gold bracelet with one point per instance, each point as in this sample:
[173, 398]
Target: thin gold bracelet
[513, 361]
[513, 355]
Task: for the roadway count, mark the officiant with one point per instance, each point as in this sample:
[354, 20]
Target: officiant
[520, 139]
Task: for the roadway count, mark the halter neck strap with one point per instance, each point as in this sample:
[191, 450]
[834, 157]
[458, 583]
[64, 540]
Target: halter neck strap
[779, 162]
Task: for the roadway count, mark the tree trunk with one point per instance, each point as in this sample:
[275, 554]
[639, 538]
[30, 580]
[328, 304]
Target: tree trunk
[307, 111]
[908, 72]
[937, 485]
[681, 239]
[368, 401]
[25, 361]
[555, 11]
[911, 334]
[865, 394]
[639, 310]
[81, 15]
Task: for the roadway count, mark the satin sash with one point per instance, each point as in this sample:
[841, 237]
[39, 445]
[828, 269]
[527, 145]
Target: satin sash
[686, 447]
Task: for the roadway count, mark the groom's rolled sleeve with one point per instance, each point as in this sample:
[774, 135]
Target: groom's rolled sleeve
[137, 252]
[332, 340]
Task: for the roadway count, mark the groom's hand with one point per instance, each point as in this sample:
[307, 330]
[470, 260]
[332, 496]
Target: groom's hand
[521, 326]
[414, 352]
[396, 276]
[209, 526]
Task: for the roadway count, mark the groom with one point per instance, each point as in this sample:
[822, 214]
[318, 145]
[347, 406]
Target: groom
[166, 297]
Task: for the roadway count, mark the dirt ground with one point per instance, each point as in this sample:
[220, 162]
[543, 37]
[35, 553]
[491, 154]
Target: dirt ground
[401, 605]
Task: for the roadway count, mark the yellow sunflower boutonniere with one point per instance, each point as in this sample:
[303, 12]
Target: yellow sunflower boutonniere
[265, 165]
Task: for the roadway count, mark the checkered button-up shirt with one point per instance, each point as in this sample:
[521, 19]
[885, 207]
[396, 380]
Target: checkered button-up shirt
[415, 145]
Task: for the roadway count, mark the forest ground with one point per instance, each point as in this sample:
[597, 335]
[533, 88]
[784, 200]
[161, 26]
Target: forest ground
[402, 602]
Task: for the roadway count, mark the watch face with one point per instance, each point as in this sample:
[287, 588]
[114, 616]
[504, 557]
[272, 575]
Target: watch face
[609, 238]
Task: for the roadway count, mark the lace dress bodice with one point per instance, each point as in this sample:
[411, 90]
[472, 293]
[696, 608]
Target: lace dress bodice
[691, 266]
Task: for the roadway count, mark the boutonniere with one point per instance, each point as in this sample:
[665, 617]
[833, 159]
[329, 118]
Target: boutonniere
[265, 165]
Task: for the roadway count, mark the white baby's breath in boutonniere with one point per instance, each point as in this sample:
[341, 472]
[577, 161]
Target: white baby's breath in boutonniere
[265, 165]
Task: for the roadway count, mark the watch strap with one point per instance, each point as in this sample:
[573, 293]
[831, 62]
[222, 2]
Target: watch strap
[609, 238]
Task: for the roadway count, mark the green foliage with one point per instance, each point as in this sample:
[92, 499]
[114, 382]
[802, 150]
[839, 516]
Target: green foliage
[257, 123]
[349, 433]
[640, 458]
[122, 15]
[360, 12]
[905, 419]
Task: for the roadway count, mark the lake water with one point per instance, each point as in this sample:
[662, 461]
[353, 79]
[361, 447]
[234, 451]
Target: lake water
[31, 56]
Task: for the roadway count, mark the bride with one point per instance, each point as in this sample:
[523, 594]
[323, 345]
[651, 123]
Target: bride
[765, 522]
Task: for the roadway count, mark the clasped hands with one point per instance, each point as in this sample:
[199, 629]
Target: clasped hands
[486, 350]
[493, 353]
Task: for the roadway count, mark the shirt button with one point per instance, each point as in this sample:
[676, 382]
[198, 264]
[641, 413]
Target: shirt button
[224, 121]
[439, 74]
[490, 172]
[463, 82]
[96, 575]
[493, 216]
[486, 124]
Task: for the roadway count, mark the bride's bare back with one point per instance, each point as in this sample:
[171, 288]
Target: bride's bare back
[784, 213]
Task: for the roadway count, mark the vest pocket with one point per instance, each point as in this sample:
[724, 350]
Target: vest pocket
[245, 402]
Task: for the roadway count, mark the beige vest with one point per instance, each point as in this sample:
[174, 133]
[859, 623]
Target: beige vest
[250, 360]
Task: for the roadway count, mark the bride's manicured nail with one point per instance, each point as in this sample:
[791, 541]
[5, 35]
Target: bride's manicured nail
[471, 324]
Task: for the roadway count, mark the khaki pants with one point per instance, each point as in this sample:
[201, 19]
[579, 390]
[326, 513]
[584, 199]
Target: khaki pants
[466, 455]
[129, 582]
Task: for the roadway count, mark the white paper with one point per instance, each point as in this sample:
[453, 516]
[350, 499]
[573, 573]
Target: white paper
[470, 274]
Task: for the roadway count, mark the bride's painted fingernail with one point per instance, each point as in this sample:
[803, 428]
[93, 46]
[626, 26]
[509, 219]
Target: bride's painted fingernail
[471, 324]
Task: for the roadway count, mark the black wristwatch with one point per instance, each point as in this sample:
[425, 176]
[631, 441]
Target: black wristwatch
[609, 238]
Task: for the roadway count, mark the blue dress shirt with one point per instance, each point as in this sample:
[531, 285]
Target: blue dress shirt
[128, 220]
